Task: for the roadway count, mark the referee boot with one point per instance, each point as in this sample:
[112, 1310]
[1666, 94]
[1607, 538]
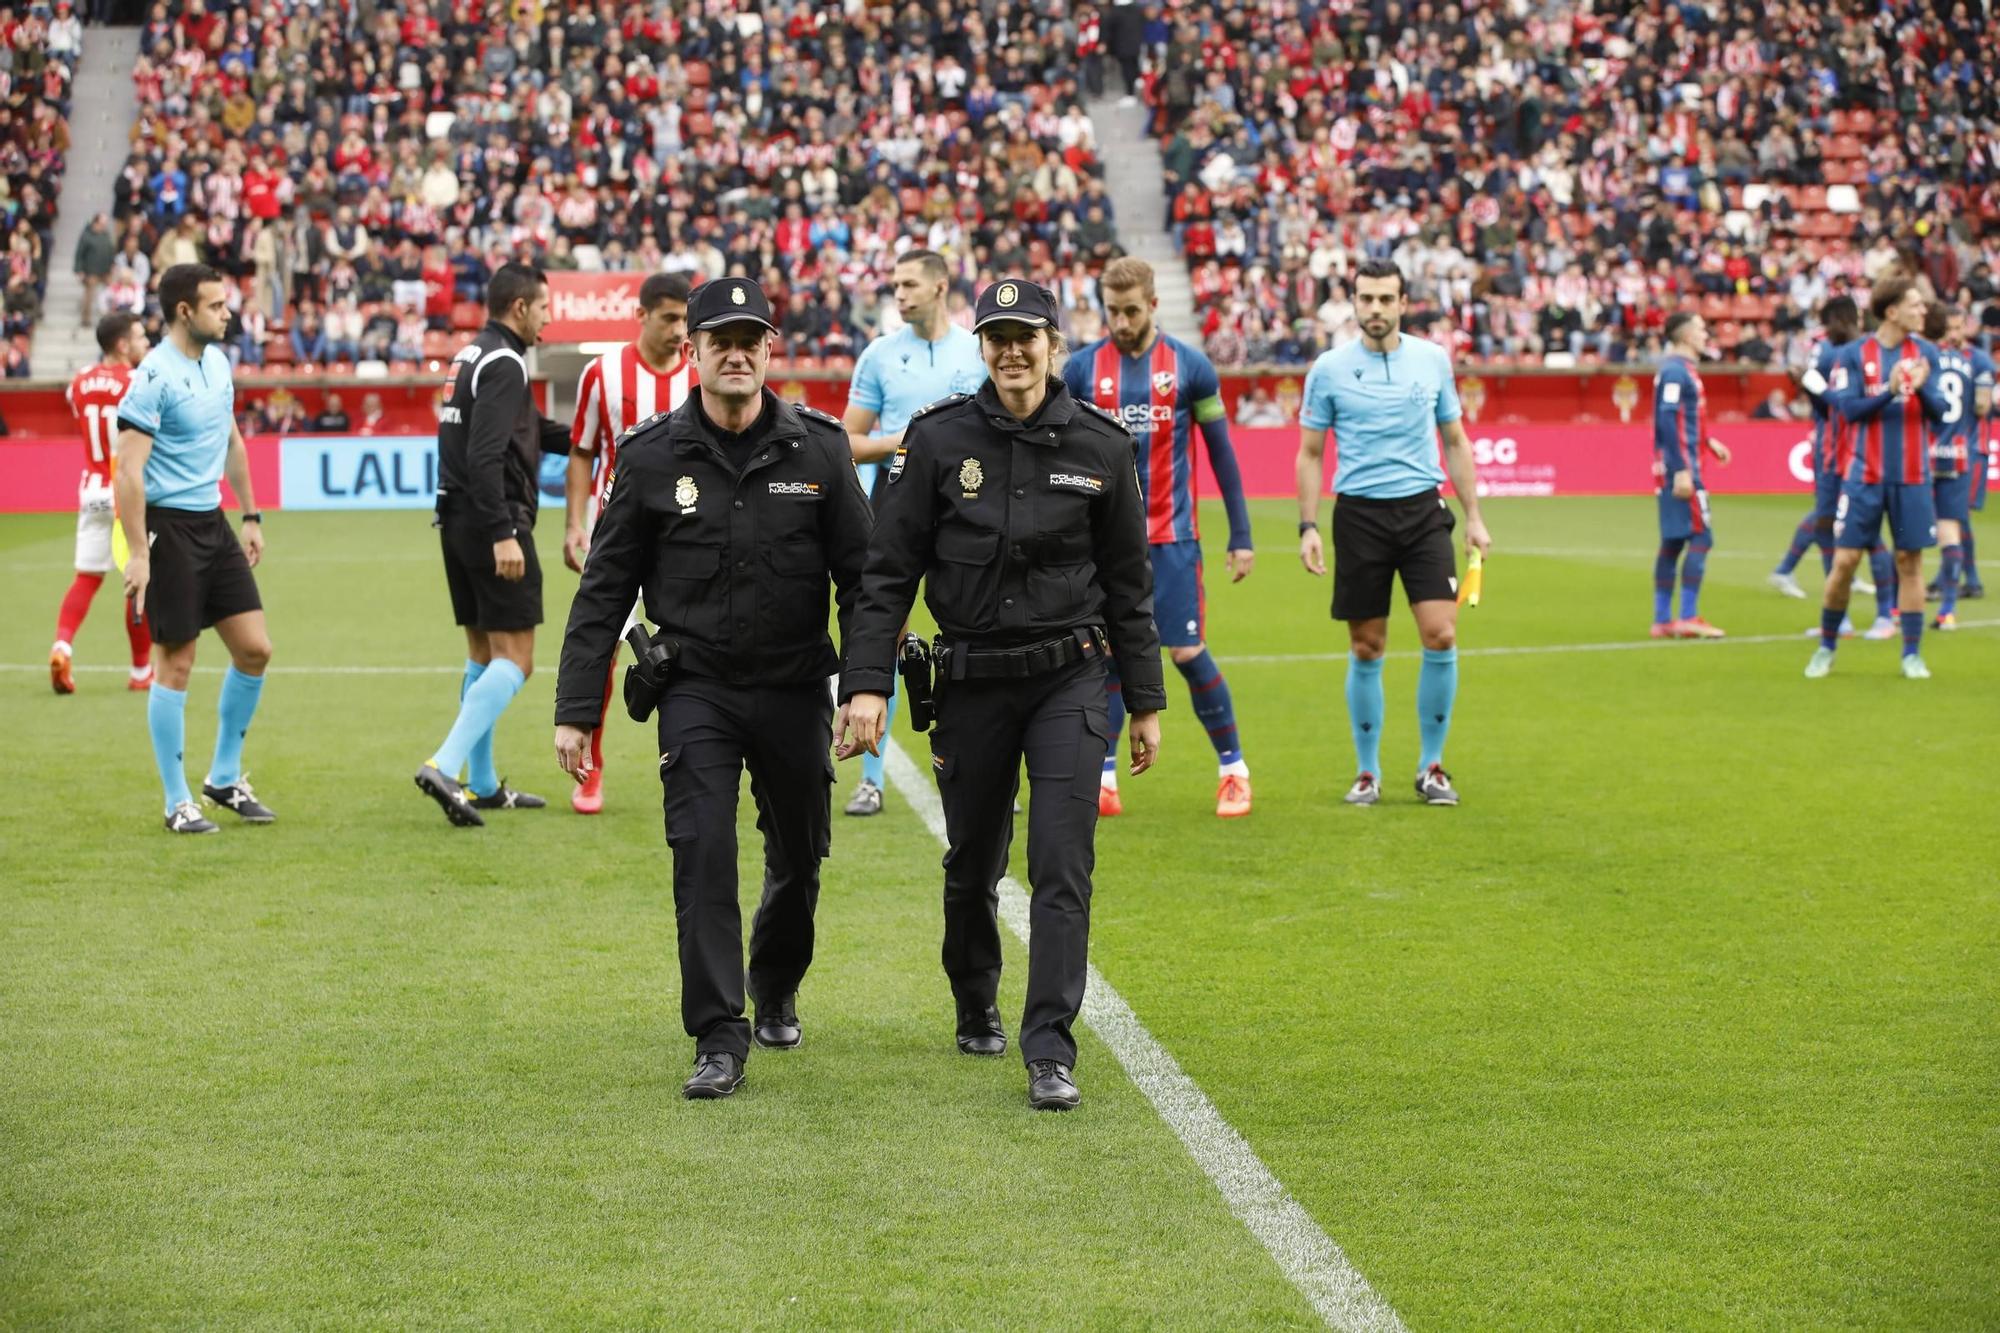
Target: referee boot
[505, 797]
[778, 1027]
[716, 1074]
[979, 1030]
[186, 818]
[1434, 786]
[237, 798]
[1050, 1088]
[451, 798]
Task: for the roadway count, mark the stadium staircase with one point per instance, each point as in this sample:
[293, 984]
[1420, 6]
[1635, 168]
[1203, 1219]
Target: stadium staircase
[102, 113]
[1133, 172]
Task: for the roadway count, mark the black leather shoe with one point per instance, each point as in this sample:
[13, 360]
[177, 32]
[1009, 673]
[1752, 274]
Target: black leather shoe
[1050, 1087]
[778, 1024]
[979, 1031]
[716, 1074]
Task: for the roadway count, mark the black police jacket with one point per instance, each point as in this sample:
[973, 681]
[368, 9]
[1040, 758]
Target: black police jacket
[735, 565]
[491, 438]
[1021, 531]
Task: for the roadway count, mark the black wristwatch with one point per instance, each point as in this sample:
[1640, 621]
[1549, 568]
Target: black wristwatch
[255, 516]
[1308, 525]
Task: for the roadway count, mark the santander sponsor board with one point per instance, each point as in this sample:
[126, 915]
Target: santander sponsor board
[592, 307]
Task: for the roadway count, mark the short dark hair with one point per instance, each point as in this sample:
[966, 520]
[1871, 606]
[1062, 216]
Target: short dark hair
[1382, 268]
[1677, 321]
[663, 287]
[1937, 320]
[934, 266]
[1841, 318]
[112, 328]
[513, 282]
[1882, 298]
[181, 285]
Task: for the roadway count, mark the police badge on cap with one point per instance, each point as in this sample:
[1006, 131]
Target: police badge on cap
[728, 301]
[1016, 300]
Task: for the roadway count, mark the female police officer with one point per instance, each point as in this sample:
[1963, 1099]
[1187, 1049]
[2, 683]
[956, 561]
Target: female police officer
[1019, 508]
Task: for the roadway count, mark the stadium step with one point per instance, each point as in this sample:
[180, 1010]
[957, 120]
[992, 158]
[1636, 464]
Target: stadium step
[103, 109]
[1133, 175]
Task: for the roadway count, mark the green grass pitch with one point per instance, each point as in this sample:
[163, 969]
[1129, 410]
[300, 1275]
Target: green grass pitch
[1686, 1018]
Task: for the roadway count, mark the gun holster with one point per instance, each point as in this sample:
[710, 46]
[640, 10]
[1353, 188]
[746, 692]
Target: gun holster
[652, 667]
[913, 662]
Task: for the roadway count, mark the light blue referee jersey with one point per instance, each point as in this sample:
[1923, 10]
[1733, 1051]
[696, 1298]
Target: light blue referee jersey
[188, 407]
[1381, 413]
[897, 374]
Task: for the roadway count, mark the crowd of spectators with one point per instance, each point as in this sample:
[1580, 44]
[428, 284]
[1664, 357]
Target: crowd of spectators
[38, 54]
[1556, 176]
[357, 174]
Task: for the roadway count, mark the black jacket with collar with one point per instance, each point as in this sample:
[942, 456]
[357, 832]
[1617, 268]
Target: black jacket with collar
[491, 438]
[734, 545]
[1020, 531]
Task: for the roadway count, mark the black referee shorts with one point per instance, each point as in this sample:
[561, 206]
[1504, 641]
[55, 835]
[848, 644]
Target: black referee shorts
[480, 598]
[1376, 540]
[199, 573]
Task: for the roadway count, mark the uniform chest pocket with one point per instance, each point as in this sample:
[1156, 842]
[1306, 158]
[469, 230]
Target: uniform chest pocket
[679, 561]
[967, 546]
[795, 559]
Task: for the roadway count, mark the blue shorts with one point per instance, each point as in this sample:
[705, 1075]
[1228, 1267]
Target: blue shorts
[1952, 498]
[1179, 607]
[1979, 466]
[1910, 512]
[1682, 519]
[1826, 494]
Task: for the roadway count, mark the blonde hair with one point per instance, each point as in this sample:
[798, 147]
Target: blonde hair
[1125, 273]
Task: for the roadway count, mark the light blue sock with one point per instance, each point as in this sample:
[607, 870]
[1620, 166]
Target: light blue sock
[481, 776]
[166, 719]
[485, 700]
[874, 767]
[1364, 712]
[233, 712]
[1437, 686]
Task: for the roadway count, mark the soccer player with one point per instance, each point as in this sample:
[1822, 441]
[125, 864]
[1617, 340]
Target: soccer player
[1384, 400]
[619, 390]
[928, 359]
[1840, 322]
[1884, 385]
[1680, 433]
[490, 441]
[93, 398]
[1964, 380]
[177, 438]
[1162, 389]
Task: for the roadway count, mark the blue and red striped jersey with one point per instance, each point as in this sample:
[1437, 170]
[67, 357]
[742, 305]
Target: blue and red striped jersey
[1832, 439]
[1961, 373]
[1680, 420]
[1891, 434]
[1161, 395]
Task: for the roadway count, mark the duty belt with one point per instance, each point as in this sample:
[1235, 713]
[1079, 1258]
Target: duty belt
[964, 662]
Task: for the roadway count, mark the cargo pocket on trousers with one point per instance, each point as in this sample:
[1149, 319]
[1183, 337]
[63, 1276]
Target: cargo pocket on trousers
[1093, 743]
[668, 758]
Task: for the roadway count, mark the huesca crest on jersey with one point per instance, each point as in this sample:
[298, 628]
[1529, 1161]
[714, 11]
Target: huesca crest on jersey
[686, 493]
[970, 478]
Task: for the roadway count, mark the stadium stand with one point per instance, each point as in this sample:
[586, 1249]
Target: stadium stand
[359, 182]
[38, 54]
[1556, 177]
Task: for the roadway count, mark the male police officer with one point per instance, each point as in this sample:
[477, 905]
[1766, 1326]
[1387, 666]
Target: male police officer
[731, 514]
[1019, 508]
[490, 441]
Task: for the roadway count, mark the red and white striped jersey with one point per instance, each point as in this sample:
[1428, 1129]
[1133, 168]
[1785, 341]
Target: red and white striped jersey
[617, 392]
[93, 398]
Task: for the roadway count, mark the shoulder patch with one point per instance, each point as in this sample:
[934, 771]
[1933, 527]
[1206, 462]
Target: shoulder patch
[812, 413]
[1105, 415]
[948, 400]
[638, 428]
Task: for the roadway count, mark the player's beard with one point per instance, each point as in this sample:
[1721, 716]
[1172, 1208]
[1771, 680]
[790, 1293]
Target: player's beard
[1136, 344]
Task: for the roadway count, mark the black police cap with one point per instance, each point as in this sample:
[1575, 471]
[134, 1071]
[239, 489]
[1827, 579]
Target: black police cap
[1017, 300]
[722, 301]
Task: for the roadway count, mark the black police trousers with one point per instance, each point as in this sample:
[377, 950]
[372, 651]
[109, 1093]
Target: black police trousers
[984, 728]
[710, 731]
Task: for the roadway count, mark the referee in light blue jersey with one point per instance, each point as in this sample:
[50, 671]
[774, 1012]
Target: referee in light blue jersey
[177, 439]
[1382, 402]
[927, 359]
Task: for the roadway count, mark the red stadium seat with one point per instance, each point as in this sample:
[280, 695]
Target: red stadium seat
[437, 345]
[468, 315]
[278, 352]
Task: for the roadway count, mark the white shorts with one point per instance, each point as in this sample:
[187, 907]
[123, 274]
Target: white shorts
[95, 518]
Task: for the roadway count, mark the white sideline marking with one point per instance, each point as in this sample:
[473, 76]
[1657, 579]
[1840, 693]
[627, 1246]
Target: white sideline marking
[1522, 650]
[1305, 1253]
